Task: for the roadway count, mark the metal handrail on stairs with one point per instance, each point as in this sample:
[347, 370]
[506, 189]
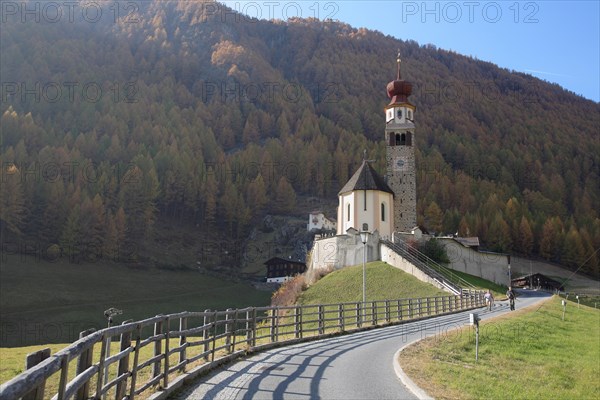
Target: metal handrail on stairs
[439, 273]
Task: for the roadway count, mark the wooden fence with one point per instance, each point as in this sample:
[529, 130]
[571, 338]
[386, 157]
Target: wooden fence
[153, 355]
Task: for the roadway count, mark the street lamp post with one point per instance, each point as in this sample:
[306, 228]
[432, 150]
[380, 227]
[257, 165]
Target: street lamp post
[364, 237]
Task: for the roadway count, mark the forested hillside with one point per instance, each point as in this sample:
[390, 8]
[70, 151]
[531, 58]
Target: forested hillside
[177, 113]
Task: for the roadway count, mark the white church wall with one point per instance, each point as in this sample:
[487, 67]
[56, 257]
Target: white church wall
[372, 215]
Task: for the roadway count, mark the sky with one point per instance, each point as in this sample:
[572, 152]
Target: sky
[557, 41]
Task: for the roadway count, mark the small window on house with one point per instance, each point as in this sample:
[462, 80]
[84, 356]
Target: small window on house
[382, 212]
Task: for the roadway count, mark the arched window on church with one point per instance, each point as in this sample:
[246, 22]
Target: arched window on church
[382, 212]
[348, 212]
[398, 139]
[403, 139]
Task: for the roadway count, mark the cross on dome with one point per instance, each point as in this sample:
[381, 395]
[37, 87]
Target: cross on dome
[398, 60]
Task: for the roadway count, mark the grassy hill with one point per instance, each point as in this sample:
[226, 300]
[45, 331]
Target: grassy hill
[383, 282]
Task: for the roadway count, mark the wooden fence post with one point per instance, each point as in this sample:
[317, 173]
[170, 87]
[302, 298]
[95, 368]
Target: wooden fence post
[298, 322]
[206, 333]
[399, 310]
[341, 316]
[228, 330]
[182, 342]
[254, 327]
[167, 337]
[374, 311]
[136, 359]
[248, 329]
[215, 317]
[64, 375]
[234, 329]
[84, 362]
[387, 311]
[158, 327]
[101, 370]
[410, 310]
[31, 361]
[123, 364]
[273, 330]
[321, 320]
[358, 318]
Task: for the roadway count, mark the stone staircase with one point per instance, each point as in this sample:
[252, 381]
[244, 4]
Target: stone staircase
[440, 274]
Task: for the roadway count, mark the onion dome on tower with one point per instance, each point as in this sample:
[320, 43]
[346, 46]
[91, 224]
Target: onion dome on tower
[398, 90]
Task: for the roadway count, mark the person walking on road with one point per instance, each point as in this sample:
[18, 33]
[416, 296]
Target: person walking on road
[511, 297]
[489, 299]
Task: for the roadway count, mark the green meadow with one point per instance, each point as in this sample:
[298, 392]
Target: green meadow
[528, 354]
[43, 302]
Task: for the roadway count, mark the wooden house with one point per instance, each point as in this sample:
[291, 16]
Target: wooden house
[280, 270]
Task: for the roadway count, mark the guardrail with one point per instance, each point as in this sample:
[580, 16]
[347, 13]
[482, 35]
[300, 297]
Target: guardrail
[152, 354]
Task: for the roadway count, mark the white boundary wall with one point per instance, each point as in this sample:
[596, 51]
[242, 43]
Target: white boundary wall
[343, 251]
[395, 260]
[490, 266]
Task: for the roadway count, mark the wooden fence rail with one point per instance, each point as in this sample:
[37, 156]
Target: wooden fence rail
[152, 353]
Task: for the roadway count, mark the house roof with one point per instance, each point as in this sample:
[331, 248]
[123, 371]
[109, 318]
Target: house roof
[366, 178]
[546, 281]
[468, 241]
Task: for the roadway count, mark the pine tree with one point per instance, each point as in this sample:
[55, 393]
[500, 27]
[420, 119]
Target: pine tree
[285, 197]
[498, 236]
[229, 202]
[434, 217]
[549, 240]
[11, 202]
[573, 249]
[525, 242]
[211, 194]
[70, 240]
[251, 132]
[257, 194]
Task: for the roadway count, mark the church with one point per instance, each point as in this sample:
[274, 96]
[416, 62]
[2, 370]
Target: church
[370, 202]
[383, 206]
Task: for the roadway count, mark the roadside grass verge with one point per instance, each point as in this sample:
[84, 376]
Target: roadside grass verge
[529, 354]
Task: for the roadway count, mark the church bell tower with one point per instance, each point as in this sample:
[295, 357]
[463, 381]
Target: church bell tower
[400, 153]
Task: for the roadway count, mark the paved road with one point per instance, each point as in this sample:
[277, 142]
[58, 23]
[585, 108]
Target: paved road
[357, 366]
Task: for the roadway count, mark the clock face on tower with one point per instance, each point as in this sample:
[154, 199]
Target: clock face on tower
[399, 164]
